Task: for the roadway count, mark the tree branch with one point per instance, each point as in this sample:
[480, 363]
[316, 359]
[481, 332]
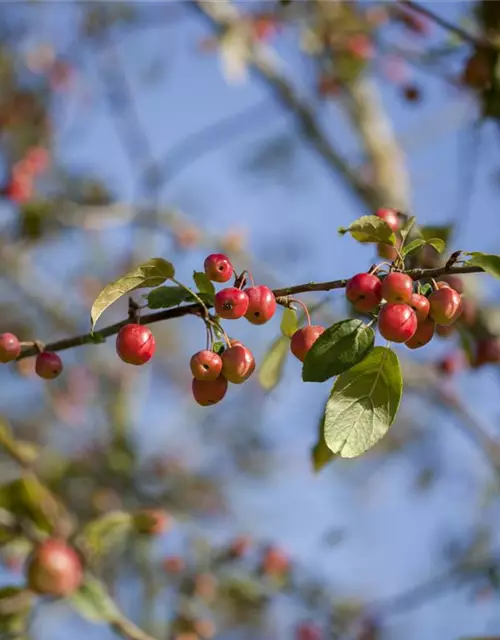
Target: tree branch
[449, 26]
[196, 309]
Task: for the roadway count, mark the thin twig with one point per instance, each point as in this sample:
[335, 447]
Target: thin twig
[196, 309]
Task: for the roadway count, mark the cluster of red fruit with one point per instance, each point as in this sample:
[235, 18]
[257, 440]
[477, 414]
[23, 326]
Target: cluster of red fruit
[406, 316]
[48, 365]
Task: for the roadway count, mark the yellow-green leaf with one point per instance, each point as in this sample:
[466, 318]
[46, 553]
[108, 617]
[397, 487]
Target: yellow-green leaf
[490, 263]
[370, 229]
[289, 322]
[273, 363]
[105, 533]
[363, 403]
[149, 274]
[437, 243]
[204, 284]
[93, 602]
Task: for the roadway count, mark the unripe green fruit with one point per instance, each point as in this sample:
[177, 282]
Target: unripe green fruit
[445, 306]
[10, 347]
[397, 287]
[54, 569]
[238, 364]
[397, 322]
[423, 335]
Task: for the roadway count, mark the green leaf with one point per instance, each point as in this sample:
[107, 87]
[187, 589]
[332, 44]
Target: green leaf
[363, 403]
[273, 363]
[93, 602]
[149, 274]
[442, 232]
[32, 500]
[490, 263]
[338, 349]
[208, 299]
[289, 322]
[437, 243]
[407, 228]
[413, 246]
[425, 289]
[204, 284]
[370, 229]
[105, 533]
[320, 453]
[219, 347]
[166, 297]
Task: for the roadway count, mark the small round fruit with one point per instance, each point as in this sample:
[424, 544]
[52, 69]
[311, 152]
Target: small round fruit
[446, 306]
[10, 347]
[174, 565]
[261, 304]
[240, 546]
[275, 561]
[421, 305]
[390, 216]
[453, 281]
[423, 335]
[397, 287]
[218, 267]
[303, 339]
[238, 364]
[451, 363]
[308, 631]
[364, 292]
[209, 392]
[206, 365]
[387, 252]
[231, 303]
[48, 365]
[469, 312]
[135, 344]
[54, 569]
[445, 332]
[488, 351]
[397, 322]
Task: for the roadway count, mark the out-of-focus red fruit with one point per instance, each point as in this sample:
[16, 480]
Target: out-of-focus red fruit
[478, 72]
[455, 282]
[10, 347]
[20, 188]
[205, 586]
[174, 565]
[264, 27]
[240, 546]
[275, 561]
[37, 160]
[411, 93]
[308, 631]
[451, 363]
[360, 46]
[469, 312]
[390, 216]
[54, 569]
[488, 351]
[445, 332]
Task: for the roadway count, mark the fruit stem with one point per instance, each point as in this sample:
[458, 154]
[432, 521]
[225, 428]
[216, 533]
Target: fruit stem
[220, 329]
[304, 307]
[248, 273]
[374, 269]
[195, 296]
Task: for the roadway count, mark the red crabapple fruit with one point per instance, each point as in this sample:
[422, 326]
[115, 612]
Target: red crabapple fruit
[364, 291]
[303, 339]
[218, 267]
[397, 322]
[206, 365]
[48, 365]
[261, 304]
[135, 344]
[231, 303]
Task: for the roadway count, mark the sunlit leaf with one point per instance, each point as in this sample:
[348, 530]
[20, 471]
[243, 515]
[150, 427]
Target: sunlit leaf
[149, 274]
[490, 263]
[204, 284]
[437, 243]
[370, 229]
[413, 246]
[363, 403]
[289, 322]
[105, 533]
[273, 363]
